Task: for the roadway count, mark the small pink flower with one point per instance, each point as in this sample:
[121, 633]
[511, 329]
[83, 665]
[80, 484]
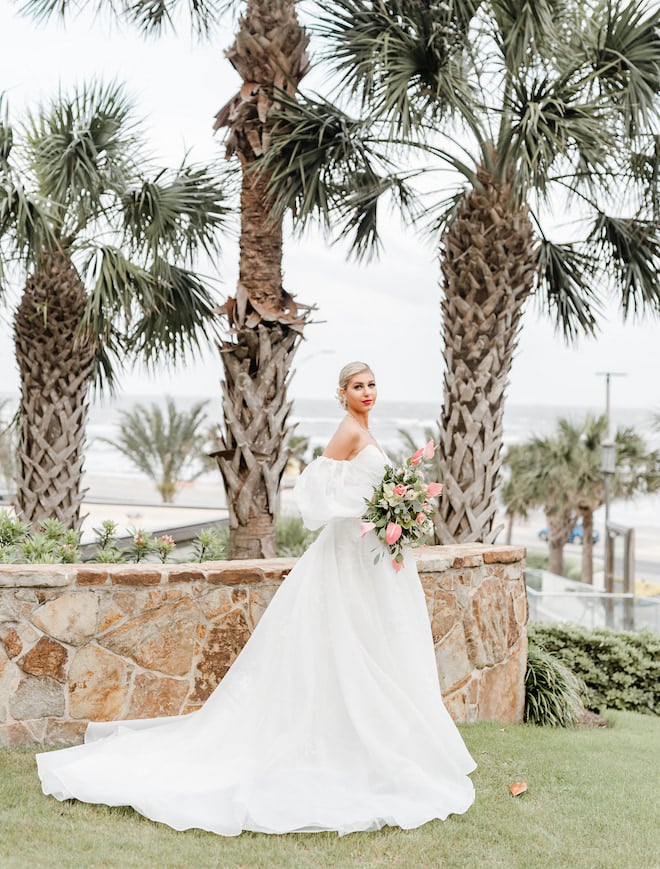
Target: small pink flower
[433, 489]
[429, 450]
[366, 527]
[416, 458]
[397, 565]
[400, 489]
[421, 518]
[393, 532]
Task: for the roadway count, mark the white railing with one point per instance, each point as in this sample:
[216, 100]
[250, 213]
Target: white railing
[554, 598]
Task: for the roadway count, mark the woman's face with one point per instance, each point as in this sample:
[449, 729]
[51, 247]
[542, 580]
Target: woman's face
[360, 392]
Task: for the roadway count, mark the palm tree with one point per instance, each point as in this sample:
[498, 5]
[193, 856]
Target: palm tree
[164, 446]
[541, 476]
[106, 251]
[527, 106]
[518, 490]
[562, 473]
[637, 471]
[264, 323]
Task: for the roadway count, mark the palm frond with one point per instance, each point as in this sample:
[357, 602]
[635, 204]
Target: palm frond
[314, 147]
[360, 207]
[550, 119]
[153, 17]
[115, 284]
[24, 217]
[645, 170]
[181, 316]
[180, 215]
[400, 57]
[630, 254]
[526, 29]
[623, 45]
[80, 148]
[568, 288]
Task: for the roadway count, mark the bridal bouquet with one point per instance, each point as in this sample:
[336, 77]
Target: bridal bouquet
[400, 510]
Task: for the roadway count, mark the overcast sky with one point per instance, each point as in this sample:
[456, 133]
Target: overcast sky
[386, 312]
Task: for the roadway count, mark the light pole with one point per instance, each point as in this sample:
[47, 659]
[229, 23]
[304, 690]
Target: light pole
[608, 375]
[607, 467]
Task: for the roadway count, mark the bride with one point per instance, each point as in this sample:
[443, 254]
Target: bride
[330, 718]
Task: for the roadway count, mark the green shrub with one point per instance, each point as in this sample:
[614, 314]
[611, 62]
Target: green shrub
[211, 544]
[553, 694]
[291, 536]
[52, 543]
[12, 530]
[621, 670]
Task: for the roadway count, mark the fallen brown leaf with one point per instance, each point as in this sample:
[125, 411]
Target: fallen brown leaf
[518, 787]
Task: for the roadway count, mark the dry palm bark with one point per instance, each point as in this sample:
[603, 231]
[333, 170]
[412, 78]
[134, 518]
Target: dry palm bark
[264, 322]
[489, 268]
[56, 364]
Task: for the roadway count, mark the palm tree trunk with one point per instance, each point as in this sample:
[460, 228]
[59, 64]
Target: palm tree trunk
[509, 527]
[56, 367]
[489, 268]
[587, 516]
[265, 324]
[253, 451]
[559, 529]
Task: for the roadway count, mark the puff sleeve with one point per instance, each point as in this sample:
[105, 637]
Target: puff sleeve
[328, 489]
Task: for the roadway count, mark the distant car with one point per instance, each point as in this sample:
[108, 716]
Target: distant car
[576, 535]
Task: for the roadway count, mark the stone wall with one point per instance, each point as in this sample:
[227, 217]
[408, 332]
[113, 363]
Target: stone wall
[83, 643]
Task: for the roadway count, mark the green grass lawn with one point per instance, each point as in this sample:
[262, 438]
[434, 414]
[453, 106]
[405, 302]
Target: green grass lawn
[591, 803]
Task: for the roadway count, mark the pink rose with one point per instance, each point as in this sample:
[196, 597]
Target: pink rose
[433, 489]
[429, 450]
[393, 532]
[366, 527]
[421, 518]
[397, 565]
[400, 489]
[416, 458]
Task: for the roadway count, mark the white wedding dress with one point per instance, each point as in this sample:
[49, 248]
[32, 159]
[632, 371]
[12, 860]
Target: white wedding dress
[330, 718]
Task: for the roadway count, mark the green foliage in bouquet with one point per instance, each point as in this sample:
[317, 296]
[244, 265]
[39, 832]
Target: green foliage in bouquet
[621, 669]
[400, 510]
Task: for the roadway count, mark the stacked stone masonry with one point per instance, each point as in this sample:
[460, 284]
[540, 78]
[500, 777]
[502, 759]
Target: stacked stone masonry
[82, 643]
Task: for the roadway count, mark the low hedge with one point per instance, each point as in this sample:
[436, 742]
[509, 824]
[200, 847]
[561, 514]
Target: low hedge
[620, 669]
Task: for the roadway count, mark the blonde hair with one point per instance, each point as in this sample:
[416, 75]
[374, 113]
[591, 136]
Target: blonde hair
[348, 371]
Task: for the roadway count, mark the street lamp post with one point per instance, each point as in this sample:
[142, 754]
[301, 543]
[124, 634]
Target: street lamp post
[607, 467]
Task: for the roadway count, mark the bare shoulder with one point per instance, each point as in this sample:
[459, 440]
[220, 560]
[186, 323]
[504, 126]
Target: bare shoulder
[346, 442]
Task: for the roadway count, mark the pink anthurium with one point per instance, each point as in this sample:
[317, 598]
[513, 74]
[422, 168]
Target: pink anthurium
[393, 532]
[429, 450]
[433, 489]
[366, 527]
[416, 457]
